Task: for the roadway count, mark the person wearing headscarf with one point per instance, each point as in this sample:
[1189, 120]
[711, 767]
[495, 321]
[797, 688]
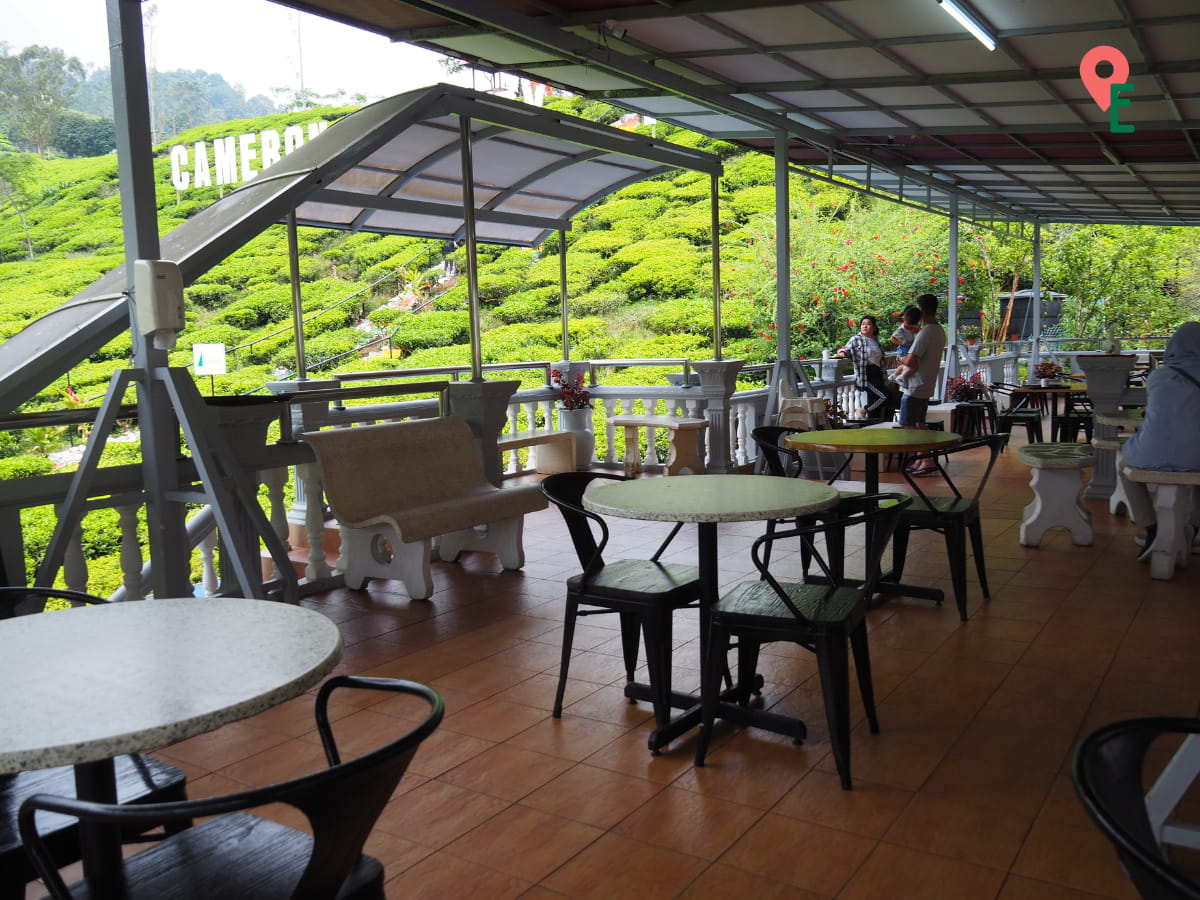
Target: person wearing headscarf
[1169, 437]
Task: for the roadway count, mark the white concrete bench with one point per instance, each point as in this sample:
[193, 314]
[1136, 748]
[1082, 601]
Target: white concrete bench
[554, 453]
[1173, 511]
[1057, 483]
[394, 488]
[686, 439]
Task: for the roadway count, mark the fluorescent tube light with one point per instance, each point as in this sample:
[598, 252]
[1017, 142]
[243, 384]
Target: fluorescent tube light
[967, 21]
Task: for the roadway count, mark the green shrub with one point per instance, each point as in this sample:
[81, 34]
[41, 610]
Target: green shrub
[385, 316]
[24, 467]
[431, 329]
[604, 241]
[528, 306]
[656, 279]
[602, 300]
[210, 296]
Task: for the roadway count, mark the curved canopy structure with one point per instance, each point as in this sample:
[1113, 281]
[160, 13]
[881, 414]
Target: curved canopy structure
[395, 167]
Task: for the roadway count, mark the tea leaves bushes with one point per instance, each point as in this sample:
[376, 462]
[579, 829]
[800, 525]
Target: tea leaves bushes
[433, 328]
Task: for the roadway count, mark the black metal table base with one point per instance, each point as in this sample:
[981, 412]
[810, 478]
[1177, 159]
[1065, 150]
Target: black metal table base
[729, 709]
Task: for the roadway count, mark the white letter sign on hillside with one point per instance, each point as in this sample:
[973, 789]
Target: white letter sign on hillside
[233, 158]
[208, 359]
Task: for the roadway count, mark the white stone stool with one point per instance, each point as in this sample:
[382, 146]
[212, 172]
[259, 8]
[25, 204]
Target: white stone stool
[1057, 482]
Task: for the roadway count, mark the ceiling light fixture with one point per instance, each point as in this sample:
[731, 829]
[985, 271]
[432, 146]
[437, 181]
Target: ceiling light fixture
[969, 22]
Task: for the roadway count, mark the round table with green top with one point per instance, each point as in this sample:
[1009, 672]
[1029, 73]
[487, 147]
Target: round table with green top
[871, 442]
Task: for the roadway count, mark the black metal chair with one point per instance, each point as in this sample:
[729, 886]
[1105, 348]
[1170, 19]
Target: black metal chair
[1019, 412]
[820, 617]
[643, 592]
[139, 778]
[237, 854]
[1107, 768]
[953, 517]
[781, 460]
[1077, 415]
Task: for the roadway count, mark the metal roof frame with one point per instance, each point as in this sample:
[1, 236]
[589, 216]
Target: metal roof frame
[894, 85]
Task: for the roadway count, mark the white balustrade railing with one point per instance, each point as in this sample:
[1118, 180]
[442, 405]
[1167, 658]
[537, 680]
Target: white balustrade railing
[120, 487]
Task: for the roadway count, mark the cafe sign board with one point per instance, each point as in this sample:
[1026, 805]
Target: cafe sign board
[236, 159]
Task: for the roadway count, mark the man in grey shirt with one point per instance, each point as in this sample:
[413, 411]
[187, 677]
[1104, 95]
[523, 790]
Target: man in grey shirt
[917, 376]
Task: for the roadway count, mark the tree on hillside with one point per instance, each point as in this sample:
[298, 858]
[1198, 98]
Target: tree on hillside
[14, 177]
[35, 87]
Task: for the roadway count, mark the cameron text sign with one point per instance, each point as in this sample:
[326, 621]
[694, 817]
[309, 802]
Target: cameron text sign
[237, 158]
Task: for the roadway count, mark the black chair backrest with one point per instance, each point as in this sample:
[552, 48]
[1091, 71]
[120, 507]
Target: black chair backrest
[25, 601]
[1107, 771]
[565, 491]
[994, 443]
[880, 512]
[341, 802]
[768, 438]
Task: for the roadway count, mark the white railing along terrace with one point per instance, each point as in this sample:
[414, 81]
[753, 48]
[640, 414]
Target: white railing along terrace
[284, 466]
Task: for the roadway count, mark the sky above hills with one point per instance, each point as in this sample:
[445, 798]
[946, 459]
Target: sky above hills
[252, 43]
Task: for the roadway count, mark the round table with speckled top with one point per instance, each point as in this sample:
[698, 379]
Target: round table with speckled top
[708, 500]
[80, 686]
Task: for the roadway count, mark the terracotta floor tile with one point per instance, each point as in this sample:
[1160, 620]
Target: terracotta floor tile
[720, 882]
[443, 875]
[507, 772]
[493, 719]
[1079, 858]
[570, 737]
[898, 873]
[525, 843]
[1008, 786]
[591, 795]
[443, 750]
[436, 813]
[616, 866]
[691, 823]
[959, 830]
[804, 855]
[868, 810]
[1018, 888]
[753, 768]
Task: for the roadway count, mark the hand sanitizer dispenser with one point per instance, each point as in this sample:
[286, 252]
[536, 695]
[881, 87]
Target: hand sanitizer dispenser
[158, 299]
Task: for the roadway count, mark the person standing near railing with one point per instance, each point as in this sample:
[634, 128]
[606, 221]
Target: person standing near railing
[917, 375]
[1169, 436]
[866, 353]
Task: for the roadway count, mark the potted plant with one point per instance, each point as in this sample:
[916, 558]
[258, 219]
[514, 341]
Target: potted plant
[575, 414]
[963, 390]
[1047, 371]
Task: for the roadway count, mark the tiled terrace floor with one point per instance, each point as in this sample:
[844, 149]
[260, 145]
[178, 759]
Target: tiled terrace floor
[964, 794]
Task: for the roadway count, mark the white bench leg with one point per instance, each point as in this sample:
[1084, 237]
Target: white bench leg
[378, 552]
[555, 456]
[504, 538]
[685, 455]
[633, 453]
[1056, 504]
[1172, 509]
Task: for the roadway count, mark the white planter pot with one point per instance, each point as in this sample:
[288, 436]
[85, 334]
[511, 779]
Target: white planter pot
[579, 423]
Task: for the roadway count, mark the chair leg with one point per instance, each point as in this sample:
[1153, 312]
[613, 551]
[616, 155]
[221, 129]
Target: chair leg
[747, 665]
[630, 636]
[976, 531]
[572, 612]
[862, 668]
[767, 551]
[899, 550]
[834, 667]
[716, 654]
[956, 551]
